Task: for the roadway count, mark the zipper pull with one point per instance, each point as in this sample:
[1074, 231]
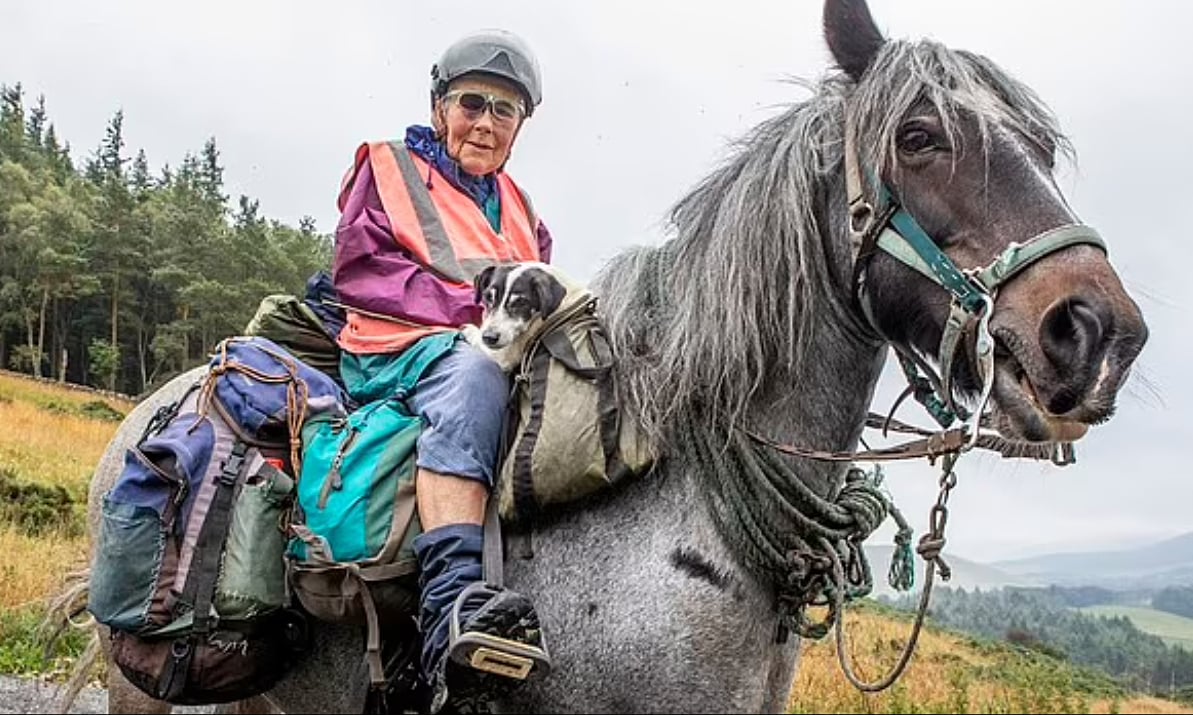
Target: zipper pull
[334, 479]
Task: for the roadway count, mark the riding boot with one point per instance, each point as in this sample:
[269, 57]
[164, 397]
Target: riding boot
[472, 631]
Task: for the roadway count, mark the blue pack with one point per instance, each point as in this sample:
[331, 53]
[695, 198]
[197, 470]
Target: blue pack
[189, 569]
[351, 556]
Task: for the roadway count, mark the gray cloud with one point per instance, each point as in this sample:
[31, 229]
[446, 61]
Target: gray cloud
[641, 99]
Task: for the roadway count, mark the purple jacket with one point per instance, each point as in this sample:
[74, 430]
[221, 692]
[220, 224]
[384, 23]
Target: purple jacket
[374, 274]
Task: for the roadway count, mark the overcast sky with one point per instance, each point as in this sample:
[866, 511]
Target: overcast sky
[640, 99]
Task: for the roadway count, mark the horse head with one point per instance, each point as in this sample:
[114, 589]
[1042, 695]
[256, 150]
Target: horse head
[951, 144]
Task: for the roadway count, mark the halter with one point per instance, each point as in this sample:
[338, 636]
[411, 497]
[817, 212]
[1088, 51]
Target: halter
[893, 230]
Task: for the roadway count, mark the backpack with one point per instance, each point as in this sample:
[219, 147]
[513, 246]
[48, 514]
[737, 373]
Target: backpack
[351, 558]
[189, 571]
[567, 436]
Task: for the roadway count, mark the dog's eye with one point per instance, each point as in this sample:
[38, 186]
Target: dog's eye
[516, 301]
[489, 296]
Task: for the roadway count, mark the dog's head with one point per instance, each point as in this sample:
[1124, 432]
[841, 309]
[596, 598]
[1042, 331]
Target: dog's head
[514, 296]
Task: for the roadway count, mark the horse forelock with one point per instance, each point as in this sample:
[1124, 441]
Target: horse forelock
[927, 76]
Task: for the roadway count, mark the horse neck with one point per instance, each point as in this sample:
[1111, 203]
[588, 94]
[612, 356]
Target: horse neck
[818, 402]
[822, 404]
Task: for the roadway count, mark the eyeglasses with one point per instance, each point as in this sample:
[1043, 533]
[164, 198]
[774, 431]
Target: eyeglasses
[475, 103]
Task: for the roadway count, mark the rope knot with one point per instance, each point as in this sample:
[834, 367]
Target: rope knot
[864, 501]
[929, 549]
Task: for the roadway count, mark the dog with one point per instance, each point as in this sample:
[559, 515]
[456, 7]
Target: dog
[516, 298]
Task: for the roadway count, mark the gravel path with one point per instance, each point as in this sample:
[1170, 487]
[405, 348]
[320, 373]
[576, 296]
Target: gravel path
[20, 695]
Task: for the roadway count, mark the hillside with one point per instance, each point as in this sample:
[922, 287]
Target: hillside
[953, 673]
[1166, 563]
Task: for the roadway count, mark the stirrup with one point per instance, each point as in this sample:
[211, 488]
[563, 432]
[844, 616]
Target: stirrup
[496, 651]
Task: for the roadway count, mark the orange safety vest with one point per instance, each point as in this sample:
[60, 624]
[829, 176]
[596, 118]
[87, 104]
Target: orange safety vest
[442, 228]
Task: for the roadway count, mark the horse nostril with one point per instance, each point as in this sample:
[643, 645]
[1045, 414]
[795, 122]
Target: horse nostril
[1073, 337]
[1072, 332]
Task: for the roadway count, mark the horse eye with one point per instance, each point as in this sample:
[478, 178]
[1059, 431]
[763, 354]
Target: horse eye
[914, 140]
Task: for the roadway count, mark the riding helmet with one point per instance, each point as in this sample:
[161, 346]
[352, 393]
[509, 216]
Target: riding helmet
[495, 52]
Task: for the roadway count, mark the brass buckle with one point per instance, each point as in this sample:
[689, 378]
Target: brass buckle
[501, 663]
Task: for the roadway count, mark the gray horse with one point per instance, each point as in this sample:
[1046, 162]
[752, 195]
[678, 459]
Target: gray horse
[763, 313]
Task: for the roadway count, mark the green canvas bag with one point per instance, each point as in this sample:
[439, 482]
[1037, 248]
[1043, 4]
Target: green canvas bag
[569, 439]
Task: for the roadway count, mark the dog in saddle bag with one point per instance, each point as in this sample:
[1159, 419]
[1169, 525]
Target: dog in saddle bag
[350, 557]
[567, 436]
[189, 568]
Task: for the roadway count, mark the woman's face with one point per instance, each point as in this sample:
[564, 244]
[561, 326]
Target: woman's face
[478, 118]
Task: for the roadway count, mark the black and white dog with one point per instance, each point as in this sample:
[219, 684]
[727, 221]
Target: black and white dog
[517, 298]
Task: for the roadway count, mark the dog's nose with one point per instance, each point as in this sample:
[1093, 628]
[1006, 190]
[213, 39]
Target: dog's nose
[490, 339]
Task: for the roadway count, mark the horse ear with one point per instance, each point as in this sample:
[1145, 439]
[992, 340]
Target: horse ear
[852, 35]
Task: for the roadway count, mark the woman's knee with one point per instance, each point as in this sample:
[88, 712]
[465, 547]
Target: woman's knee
[479, 375]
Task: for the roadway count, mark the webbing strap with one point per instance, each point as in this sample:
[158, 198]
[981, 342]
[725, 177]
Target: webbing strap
[199, 591]
[523, 486]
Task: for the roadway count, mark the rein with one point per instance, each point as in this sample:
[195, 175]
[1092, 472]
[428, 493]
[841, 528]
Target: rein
[890, 228]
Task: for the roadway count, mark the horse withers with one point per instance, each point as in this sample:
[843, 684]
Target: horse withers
[772, 309]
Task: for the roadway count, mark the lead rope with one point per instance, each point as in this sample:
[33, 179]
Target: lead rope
[929, 548]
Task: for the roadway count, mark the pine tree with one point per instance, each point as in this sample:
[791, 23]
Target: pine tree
[35, 126]
[116, 249]
[12, 123]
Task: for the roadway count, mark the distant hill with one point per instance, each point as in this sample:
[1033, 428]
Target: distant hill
[966, 574]
[1166, 563]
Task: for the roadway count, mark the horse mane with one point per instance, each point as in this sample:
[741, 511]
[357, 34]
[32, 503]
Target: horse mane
[702, 321]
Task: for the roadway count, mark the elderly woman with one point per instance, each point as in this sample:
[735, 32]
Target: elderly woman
[419, 219]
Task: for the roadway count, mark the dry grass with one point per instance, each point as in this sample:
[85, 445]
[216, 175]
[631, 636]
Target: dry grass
[43, 440]
[33, 568]
[950, 673]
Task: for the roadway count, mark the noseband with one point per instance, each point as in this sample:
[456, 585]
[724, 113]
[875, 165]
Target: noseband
[890, 228]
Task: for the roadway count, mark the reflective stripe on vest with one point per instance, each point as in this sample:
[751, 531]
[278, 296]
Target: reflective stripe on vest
[442, 227]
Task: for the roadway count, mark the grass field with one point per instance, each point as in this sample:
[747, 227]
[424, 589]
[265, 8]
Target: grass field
[52, 438]
[1174, 629]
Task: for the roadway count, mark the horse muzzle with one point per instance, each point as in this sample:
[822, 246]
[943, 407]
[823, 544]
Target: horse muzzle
[1059, 376]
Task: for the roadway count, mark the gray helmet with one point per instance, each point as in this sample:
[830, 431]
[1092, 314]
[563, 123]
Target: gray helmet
[495, 52]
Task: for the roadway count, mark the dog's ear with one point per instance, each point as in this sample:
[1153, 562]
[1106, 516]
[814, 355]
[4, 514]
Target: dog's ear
[549, 291]
[480, 282]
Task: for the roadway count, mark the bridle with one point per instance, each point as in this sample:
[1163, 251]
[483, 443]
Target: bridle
[885, 225]
[890, 228]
